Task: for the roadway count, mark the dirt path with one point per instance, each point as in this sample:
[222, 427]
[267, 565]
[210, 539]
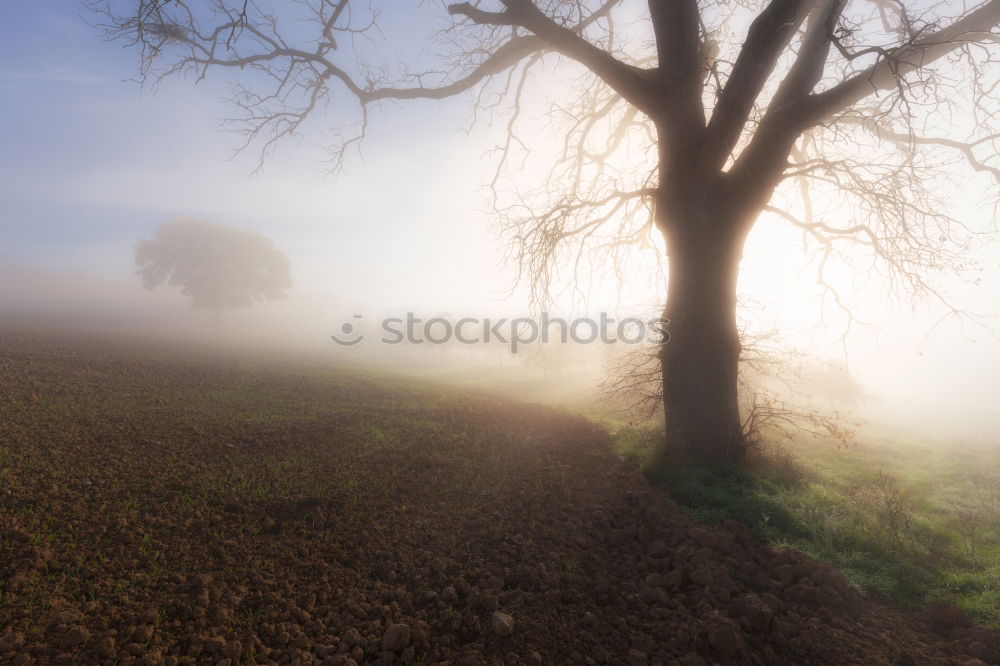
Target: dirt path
[166, 506]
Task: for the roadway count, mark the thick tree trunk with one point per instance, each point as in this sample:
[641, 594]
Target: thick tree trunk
[700, 359]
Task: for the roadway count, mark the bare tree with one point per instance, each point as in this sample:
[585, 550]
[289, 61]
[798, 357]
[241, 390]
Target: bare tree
[218, 267]
[688, 119]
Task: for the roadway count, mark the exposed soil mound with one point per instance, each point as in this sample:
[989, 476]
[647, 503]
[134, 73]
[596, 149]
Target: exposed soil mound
[159, 507]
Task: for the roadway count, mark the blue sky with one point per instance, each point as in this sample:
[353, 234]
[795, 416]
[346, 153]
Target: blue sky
[54, 83]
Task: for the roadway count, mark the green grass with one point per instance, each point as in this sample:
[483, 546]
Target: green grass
[905, 521]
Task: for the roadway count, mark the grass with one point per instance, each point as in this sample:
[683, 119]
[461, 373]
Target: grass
[905, 521]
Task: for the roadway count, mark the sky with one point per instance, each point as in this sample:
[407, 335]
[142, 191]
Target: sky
[90, 163]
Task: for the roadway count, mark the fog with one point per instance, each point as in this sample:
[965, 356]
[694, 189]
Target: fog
[91, 166]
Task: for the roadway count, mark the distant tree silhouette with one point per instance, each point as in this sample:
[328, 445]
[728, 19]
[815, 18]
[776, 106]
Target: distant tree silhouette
[218, 267]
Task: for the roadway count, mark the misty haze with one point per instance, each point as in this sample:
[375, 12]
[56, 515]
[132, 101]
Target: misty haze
[505, 332]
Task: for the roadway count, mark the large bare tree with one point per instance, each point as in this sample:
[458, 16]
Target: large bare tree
[686, 120]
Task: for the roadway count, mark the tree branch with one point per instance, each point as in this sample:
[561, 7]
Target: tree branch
[807, 70]
[630, 82]
[503, 58]
[907, 141]
[976, 26]
[768, 36]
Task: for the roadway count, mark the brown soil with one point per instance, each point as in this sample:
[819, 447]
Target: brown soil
[161, 505]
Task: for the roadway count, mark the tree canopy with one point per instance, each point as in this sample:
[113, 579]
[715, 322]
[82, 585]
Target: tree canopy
[218, 267]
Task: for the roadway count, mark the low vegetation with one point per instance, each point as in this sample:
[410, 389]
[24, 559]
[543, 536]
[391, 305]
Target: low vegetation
[905, 521]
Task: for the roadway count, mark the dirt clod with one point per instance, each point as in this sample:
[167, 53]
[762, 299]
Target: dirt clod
[502, 623]
[396, 637]
[75, 636]
[636, 658]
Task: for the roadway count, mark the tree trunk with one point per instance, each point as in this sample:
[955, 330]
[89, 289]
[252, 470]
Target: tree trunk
[700, 359]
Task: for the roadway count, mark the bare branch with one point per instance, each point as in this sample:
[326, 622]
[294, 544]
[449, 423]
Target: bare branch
[976, 26]
[629, 81]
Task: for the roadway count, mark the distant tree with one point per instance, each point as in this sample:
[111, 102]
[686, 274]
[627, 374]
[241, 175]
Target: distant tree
[218, 267]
